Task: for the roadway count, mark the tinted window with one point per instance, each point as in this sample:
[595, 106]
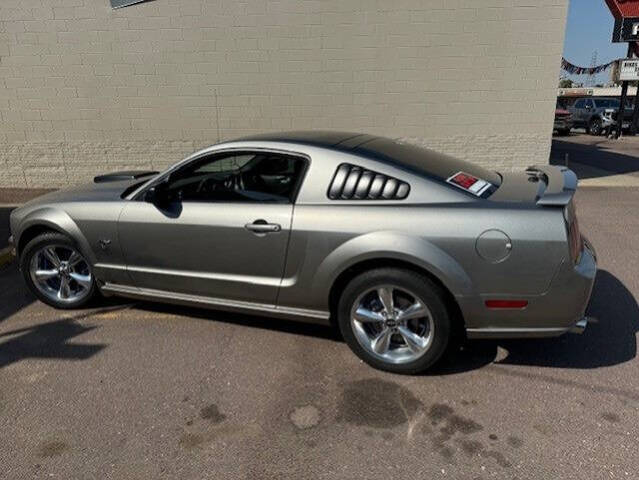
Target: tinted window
[423, 161]
[607, 103]
[241, 177]
[580, 103]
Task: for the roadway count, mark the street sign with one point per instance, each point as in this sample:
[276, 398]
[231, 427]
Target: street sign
[629, 69]
[626, 30]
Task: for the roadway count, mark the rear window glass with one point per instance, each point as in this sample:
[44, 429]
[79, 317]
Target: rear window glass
[424, 161]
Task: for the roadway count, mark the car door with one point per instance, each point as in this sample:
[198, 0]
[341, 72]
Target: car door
[217, 227]
[589, 109]
[578, 111]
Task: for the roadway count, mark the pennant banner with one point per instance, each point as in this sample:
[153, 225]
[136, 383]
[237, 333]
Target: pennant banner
[575, 70]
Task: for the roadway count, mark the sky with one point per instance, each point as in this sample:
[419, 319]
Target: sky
[589, 28]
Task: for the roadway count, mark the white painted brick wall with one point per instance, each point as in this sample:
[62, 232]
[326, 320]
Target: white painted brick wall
[86, 89]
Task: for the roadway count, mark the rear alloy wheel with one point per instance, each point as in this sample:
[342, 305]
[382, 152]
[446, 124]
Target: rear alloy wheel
[594, 128]
[394, 320]
[56, 271]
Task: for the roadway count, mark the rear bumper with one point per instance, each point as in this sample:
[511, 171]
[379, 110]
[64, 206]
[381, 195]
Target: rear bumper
[559, 310]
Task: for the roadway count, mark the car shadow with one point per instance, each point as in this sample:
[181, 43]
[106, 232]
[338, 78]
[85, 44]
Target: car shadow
[593, 155]
[5, 212]
[250, 321]
[50, 340]
[609, 341]
[14, 295]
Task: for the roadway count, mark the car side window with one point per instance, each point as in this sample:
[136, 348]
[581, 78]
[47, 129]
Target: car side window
[579, 103]
[238, 177]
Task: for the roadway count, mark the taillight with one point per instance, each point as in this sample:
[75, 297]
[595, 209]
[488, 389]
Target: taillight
[574, 236]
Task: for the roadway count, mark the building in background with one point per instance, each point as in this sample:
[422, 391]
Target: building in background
[567, 96]
[85, 88]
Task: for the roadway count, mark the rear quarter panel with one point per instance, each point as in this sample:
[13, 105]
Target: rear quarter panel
[441, 238]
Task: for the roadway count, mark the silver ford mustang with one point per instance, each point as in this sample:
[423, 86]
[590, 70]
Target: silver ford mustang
[399, 246]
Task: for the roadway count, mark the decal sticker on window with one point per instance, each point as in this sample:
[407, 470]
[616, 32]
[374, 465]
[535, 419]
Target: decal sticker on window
[470, 183]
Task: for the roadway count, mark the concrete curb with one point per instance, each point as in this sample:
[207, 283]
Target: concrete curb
[6, 257]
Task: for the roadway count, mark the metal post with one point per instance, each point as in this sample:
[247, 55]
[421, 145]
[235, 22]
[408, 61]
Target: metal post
[635, 113]
[624, 92]
[622, 103]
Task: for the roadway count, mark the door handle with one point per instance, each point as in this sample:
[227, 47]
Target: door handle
[260, 226]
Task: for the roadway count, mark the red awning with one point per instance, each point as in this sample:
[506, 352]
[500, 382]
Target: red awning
[624, 8]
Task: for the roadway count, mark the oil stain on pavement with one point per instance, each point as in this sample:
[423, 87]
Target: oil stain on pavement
[384, 405]
[52, 448]
[377, 404]
[610, 417]
[212, 414]
[213, 426]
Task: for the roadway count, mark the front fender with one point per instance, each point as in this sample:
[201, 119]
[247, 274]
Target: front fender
[58, 220]
[398, 246]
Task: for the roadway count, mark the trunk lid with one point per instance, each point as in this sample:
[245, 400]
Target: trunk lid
[543, 185]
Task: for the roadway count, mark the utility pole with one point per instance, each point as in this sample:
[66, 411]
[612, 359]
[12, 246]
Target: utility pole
[593, 64]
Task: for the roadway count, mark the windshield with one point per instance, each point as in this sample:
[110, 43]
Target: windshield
[423, 161]
[607, 103]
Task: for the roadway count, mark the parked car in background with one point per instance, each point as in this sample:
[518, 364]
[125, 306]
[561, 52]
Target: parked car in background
[399, 246]
[563, 120]
[599, 115]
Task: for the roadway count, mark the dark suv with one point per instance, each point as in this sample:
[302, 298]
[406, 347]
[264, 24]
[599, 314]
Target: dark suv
[597, 115]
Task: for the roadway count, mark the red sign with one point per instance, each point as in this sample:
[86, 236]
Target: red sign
[470, 183]
[623, 8]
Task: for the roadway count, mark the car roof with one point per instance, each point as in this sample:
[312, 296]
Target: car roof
[317, 138]
[391, 152]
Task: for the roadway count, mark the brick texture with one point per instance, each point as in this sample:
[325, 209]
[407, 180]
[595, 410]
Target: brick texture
[85, 89]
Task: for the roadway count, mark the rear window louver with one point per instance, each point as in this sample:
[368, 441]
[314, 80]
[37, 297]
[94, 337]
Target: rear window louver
[351, 182]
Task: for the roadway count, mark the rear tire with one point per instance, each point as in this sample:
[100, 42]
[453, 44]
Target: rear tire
[405, 331]
[56, 272]
[564, 132]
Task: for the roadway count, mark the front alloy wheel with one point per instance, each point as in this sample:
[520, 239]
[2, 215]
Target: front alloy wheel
[595, 127]
[61, 273]
[57, 272]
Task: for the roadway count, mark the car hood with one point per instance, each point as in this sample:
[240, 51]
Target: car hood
[90, 192]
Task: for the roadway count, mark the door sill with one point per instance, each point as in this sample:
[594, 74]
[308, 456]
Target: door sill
[291, 313]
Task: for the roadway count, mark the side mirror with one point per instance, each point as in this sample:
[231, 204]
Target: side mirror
[158, 194]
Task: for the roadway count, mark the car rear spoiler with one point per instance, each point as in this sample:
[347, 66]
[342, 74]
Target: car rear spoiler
[561, 184]
[124, 175]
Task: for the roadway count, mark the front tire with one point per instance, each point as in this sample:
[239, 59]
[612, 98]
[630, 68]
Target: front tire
[595, 127]
[57, 272]
[395, 320]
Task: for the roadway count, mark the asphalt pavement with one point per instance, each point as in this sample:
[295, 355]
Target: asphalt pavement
[125, 391]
